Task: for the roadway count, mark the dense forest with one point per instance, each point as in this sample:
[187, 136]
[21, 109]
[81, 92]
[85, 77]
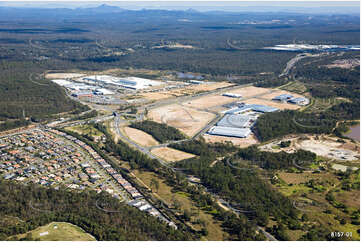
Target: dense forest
[13, 124]
[278, 124]
[21, 96]
[36, 206]
[160, 132]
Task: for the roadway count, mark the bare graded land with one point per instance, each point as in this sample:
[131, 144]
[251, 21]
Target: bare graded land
[250, 91]
[154, 96]
[210, 101]
[170, 154]
[274, 104]
[63, 75]
[210, 86]
[139, 137]
[187, 120]
[322, 145]
[277, 93]
[190, 90]
[240, 142]
[328, 148]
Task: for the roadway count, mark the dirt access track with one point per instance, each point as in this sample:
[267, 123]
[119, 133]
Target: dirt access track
[171, 155]
[186, 119]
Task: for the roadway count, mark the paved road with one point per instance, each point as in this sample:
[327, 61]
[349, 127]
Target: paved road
[147, 152]
[291, 63]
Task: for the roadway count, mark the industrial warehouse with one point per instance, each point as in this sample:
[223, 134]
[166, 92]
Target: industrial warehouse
[239, 119]
[134, 83]
[302, 101]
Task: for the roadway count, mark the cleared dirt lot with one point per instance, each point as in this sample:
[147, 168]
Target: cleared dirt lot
[210, 86]
[63, 75]
[186, 119]
[139, 136]
[210, 101]
[321, 145]
[327, 148]
[250, 91]
[170, 154]
[272, 103]
[156, 95]
[241, 142]
[277, 93]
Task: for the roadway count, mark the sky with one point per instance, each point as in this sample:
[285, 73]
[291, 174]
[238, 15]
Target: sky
[291, 6]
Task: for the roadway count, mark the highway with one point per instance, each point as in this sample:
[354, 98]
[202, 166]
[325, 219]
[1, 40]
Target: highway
[291, 63]
[295, 59]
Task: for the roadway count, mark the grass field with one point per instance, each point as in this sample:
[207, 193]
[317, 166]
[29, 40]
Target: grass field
[294, 86]
[56, 231]
[170, 154]
[85, 129]
[318, 105]
[296, 187]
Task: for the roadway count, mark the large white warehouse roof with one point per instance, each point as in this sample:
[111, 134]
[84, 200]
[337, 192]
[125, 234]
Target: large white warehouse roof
[235, 120]
[127, 82]
[230, 131]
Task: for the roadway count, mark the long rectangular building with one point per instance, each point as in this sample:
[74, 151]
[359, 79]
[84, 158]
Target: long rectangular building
[230, 131]
[251, 107]
[126, 82]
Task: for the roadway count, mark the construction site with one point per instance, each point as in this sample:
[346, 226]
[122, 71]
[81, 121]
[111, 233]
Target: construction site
[217, 111]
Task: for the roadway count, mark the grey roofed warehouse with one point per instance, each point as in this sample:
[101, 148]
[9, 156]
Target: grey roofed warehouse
[252, 107]
[230, 131]
[233, 120]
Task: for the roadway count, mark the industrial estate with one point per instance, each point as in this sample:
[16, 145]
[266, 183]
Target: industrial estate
[157, 125]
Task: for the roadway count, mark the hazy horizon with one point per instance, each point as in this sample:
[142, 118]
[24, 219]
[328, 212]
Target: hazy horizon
[330, 7]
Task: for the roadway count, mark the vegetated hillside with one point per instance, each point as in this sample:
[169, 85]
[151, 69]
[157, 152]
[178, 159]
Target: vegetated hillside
[36, 206]
[243, 188]
[237, 227]
[278, 124]
[36, 98]
[221, 43]
[327, 84]
[160, 132]
[273, 161]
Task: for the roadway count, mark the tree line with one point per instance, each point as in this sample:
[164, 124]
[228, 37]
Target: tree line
[161, 132]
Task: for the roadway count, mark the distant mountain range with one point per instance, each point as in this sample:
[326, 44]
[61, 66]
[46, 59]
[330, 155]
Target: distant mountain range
[106, 8]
